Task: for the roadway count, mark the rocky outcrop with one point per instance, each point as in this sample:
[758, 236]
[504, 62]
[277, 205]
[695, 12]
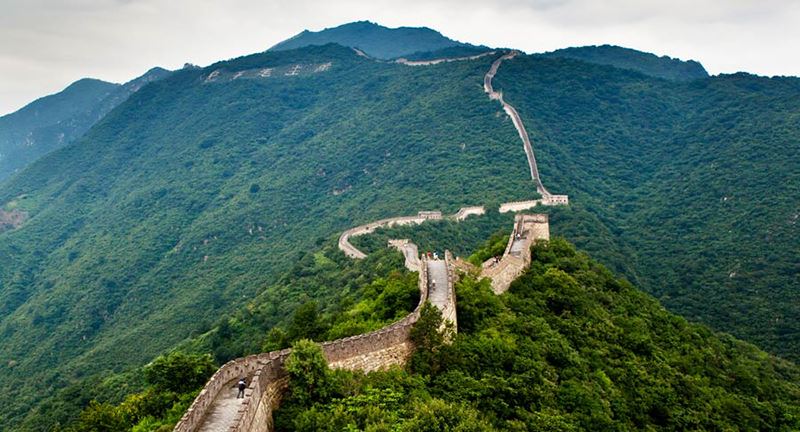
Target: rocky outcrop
[12, 219]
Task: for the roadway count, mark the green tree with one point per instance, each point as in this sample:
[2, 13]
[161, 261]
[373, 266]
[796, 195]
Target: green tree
[100, 417]
[179, 372]
[306, 322]
[309, 376]
[429, 334]
[436, 415]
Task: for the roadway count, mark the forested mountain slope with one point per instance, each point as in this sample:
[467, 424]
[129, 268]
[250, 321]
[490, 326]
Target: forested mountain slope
[700, 180]
[201, 188]
[54, 121]
[626, 58]
[17, 129]
[568, 348]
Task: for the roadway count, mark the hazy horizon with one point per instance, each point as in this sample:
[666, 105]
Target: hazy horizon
[47, 45]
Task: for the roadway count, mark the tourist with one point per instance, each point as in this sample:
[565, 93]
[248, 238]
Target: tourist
[242, 385]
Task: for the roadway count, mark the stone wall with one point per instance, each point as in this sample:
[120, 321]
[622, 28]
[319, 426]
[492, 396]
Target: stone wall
[449, 310]
[367, 352]
[518, 206]
[551, 200]
[228, 373]
[517, 256]
[353, 252]
[410, 252]
[466, 212]
[502, 274]
[547, 200]
[422, 216]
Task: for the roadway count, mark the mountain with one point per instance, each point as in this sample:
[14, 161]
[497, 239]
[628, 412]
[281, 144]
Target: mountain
[626, 58]
[56, 120]
[698, 180]
[569, 347]
[374, 40]
[203, 189]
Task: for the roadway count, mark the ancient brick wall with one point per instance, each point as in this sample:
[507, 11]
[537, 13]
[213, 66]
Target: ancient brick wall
[517, 256]
[555, 200]
[466, 212]
[516, 206]
[367, 352]
[230, 372]
[449, 310]
[422, 216]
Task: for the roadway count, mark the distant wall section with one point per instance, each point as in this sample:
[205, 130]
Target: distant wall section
[517, 256]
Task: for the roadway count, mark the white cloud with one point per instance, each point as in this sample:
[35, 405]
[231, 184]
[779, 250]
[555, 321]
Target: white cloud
[46, 44]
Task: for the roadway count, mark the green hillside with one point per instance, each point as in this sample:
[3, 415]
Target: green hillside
[699, 180]
[56, 120]
[202, 189]
[626, 58]
[375, 40]
[568, 348]
[111, 269]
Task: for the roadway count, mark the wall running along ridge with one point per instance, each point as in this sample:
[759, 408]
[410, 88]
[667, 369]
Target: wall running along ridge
[441, 60]
[547, 197]
[390, 345]
[353, 252]
[517, 256]
[366, 352]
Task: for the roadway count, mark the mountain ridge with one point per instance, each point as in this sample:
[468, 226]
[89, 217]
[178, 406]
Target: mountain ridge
[626, 58]
[53, 121]
[375, 40]
[202, 188]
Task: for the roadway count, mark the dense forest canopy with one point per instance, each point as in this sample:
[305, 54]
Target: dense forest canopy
[569, 347]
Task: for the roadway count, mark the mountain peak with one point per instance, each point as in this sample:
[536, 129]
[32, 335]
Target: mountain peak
[374, 39]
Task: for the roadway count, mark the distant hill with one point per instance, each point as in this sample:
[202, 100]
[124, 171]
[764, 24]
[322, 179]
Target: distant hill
[53, 121]
[373, 39]
[626, 58]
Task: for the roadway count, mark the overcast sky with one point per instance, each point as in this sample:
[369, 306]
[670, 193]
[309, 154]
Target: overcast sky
[47, 44]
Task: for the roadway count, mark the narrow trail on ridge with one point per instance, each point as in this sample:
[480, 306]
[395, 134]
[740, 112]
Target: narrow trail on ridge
[515, 118]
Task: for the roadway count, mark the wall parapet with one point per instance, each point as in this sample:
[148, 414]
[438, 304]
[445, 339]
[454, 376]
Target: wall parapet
[421, 216]
[375, 350]
[528, 228]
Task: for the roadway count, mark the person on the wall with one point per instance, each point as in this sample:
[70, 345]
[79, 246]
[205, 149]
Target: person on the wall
[242, 385]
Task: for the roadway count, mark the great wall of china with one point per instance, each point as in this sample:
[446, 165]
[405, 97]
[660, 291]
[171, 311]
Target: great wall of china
[216, 409]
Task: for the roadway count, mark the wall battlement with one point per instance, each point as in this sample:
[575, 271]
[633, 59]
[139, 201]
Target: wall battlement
[422, 216]
[528, 228]
[367, 352]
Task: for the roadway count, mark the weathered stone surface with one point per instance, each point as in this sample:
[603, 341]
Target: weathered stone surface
[214, 410]
[517, 256]
[422, 216]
